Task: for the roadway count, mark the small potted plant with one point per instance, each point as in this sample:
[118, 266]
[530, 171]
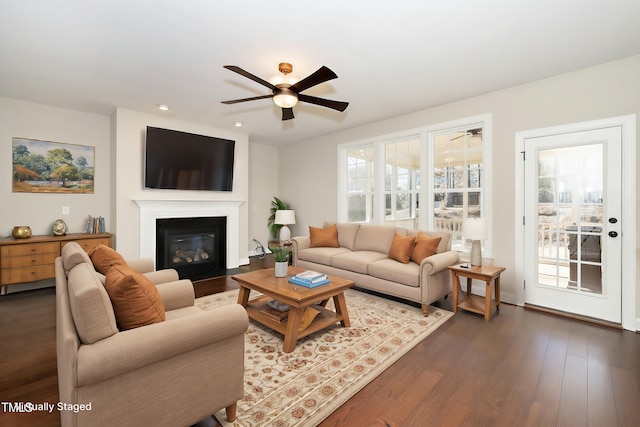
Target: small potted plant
[281, 255]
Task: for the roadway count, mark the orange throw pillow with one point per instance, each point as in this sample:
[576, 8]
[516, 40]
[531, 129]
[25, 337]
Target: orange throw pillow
[425, 247]
[402, 248]
[103, 258]
[136, 301]
[327, 236]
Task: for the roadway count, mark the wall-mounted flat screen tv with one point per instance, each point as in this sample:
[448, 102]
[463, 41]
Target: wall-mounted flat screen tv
[186, 161]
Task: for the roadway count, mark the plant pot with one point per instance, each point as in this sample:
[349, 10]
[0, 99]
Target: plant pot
[282, 269]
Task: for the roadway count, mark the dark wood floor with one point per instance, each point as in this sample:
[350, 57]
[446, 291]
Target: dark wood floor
[523, 368]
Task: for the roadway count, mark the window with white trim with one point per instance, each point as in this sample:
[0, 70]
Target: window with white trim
[359, 188]
[458, 180]
[428, 179]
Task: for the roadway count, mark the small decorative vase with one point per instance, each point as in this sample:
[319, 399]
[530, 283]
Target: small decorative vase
[282, 269]
[21, 232]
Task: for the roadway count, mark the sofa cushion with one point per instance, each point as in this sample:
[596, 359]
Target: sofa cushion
[402, 248]
[91, 308]
[136, 301]
[425, 247]
[445, 236]
[104, 257]
[72, 255]
[375, 238]
[321, 255]
[388, 269]
[324, 237]
[347, 232]
[356, 261]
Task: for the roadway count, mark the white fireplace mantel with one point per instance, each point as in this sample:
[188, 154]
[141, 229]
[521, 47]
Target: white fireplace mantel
[151, 210]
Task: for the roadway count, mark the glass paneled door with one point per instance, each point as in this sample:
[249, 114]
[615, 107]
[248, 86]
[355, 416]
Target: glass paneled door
[572, 223]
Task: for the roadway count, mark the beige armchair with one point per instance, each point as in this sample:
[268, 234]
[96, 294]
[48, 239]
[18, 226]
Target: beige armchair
[175, 372]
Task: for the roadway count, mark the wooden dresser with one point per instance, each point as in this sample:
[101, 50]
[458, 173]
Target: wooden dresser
[28, 260]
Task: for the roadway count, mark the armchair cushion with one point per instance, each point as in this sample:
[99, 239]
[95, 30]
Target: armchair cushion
[72, 255]
[104, 257]
[136, 301]
[90, 306]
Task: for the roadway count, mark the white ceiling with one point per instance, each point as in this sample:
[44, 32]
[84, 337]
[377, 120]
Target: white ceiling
[391, 57]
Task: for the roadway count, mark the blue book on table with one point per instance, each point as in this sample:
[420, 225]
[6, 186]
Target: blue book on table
[307, 284]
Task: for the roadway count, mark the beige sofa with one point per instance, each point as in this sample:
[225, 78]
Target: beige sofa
[175, 372]
[363, 256]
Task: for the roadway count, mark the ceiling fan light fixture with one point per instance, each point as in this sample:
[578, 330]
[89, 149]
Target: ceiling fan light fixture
[285, 99]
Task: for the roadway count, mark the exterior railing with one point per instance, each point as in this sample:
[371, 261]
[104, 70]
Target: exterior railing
[453, 226]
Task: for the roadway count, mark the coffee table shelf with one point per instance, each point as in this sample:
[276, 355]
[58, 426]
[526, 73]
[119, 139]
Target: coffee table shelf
[298, 298]
[324, 319]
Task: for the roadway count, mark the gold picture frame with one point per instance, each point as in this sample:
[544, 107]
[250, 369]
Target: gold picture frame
[52, 167]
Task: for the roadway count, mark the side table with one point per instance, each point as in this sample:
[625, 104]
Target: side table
[490, 274]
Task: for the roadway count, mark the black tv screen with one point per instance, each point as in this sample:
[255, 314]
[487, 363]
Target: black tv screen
[186, 161]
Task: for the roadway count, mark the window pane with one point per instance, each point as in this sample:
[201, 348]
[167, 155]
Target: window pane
[458, 180]
[358, 208]
[402, 181]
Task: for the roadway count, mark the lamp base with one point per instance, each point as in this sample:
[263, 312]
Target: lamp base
[285, 234]
[476, 254]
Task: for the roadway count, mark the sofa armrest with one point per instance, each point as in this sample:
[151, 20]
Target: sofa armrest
[299, 243]
[142, 265]
[162, 276]
[436, 263]
[176, 294]
[140, 347]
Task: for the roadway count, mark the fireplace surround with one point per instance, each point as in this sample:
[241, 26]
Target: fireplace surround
[152, 210]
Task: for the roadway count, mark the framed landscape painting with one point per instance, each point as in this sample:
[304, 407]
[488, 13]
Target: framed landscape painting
[52, 167]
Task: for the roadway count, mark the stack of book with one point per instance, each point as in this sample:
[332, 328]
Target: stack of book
[95, 225]
[309, 279]
[276, 310]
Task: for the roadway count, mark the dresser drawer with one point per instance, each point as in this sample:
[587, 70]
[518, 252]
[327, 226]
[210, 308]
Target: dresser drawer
[10, 276]
[32, 259]
[88, 244]
[27, 260]
[30, 249]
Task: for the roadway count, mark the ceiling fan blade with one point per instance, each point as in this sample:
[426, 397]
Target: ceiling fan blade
[248, 75]
[253, 98]
[336, 105]
[287, 114]
[322, 75]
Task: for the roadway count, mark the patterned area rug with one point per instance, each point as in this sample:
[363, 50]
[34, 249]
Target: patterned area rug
[327, 368]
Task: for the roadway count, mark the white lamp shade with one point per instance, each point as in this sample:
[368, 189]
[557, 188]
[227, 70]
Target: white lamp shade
[285, 217]
[475, 229]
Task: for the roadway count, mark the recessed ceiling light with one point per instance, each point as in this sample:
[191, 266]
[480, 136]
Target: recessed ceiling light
[163, 107]
[238, 124]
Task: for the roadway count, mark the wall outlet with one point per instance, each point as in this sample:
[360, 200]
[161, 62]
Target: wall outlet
[65, 210]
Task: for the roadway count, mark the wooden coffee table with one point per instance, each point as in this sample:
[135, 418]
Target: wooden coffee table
[297, 297]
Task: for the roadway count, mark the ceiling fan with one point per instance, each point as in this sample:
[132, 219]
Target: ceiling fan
[286, 94]
[470, 132]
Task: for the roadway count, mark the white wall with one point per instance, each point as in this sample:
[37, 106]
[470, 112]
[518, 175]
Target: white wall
[40, 210]
[603, 91]
[263, 185]
[128, 183]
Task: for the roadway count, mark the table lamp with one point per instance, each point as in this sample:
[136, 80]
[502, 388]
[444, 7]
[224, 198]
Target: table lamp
[475, 229]
[284, 218]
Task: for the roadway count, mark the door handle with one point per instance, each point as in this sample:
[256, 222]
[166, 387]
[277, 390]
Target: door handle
[613, 234]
